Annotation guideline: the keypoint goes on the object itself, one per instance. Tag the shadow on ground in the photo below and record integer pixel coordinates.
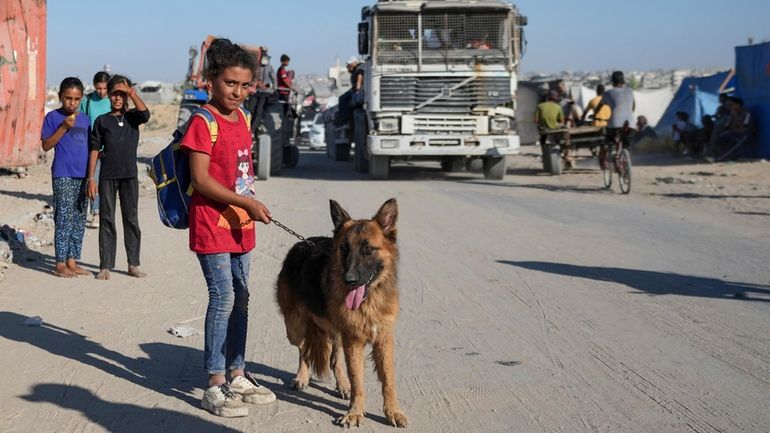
(121, 417)
(168, 369)
(655, 283)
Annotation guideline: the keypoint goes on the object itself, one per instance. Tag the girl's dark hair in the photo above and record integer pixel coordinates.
(115, 80)
(101, 77)
(223, 54)
(70, 83)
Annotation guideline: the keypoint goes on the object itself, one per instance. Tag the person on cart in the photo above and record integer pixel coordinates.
(551, 123)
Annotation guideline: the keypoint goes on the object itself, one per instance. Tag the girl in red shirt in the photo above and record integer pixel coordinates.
(223, 211)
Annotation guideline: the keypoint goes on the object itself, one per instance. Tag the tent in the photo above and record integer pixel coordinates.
(752, 69)
(697, 96)
(649, 103)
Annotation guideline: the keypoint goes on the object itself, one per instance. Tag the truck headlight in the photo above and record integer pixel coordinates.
(387, 125)
(499, 125)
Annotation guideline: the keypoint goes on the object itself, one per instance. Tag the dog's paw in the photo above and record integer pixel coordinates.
(299, 384)
(344, 392)
(397, 419)
(352, 419)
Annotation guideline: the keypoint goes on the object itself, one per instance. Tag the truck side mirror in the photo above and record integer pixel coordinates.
(363, 38)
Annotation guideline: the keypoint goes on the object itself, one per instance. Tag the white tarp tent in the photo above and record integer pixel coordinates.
(649, 103)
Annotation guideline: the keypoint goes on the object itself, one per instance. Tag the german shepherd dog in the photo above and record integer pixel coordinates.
(338, 294)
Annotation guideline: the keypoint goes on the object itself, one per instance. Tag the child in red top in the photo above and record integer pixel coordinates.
(223, 211)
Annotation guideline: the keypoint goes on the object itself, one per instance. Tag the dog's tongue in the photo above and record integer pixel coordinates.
(355, 297)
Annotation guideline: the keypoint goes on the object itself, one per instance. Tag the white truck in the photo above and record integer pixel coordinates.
(440, 83)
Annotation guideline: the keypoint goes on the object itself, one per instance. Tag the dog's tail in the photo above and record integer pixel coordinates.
(316, 350)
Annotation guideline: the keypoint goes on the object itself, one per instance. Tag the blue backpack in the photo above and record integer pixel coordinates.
(170, 170)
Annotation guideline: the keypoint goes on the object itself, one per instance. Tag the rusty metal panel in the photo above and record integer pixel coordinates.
(22, 80)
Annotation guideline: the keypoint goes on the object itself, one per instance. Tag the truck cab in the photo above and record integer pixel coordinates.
(440, 82)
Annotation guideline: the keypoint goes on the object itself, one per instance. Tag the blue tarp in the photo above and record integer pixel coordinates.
(697, 96)
(752, 70)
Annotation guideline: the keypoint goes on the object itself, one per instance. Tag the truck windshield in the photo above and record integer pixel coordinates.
(447, 37)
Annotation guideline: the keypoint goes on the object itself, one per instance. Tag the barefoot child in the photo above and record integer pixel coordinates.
(66, 130)
(114, 142)
(223, 211)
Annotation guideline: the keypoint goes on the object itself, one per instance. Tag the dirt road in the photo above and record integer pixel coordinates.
(535, 304)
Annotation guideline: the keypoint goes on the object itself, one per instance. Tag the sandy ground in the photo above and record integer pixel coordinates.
(535, 304)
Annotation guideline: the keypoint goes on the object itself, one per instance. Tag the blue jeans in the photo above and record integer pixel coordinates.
(228, 311)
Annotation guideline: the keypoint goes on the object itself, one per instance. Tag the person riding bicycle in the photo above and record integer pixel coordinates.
(620, 99)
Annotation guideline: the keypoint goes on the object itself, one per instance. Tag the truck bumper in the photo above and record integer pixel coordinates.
(443, 145)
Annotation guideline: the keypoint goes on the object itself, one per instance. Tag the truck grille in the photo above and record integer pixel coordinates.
(444, 125)
(406, 93)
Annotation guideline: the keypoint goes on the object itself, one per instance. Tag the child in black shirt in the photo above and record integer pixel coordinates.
(114, 141)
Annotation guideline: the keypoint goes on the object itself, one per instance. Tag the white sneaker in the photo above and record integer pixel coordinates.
(250, 391)
(222, 401)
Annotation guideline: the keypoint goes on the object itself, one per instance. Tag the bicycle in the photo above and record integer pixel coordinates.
(615, 157)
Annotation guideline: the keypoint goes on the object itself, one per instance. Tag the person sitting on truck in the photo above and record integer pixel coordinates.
(265, 89)
(549, 117)
(601, 112)
(356, 73)
(285, 84)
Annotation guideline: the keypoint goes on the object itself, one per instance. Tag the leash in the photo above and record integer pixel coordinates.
(286, 229)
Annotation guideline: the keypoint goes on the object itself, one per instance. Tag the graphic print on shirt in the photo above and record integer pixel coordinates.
(233, 217)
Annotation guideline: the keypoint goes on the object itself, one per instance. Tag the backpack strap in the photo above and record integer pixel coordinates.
(246, 116)
(206, 114)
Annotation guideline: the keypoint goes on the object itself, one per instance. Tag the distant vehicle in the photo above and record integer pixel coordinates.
(306, 122)
(440, 84)
(317, 133)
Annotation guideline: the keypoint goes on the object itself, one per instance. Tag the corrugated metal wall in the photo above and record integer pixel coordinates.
(22, 80)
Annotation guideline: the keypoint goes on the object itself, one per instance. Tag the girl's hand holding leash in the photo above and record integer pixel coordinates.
(258, 212)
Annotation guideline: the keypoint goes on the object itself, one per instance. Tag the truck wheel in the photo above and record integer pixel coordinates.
(340, 151)
(494, 168)
(475, 165)
(379, 168)
(186, 109)
(554, 161)
(262, 157)
(453, 164)
(360, 162)
(291, 156)
(359, 138)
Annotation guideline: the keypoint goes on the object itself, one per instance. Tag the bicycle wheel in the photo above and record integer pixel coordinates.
(606, 167)
(624, 171)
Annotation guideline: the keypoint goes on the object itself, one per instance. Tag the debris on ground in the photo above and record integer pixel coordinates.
(183, 331)
(34, 321)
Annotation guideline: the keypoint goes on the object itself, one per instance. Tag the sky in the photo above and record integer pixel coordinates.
(149, 39)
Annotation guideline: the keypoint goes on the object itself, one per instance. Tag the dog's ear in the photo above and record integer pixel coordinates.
(339, 215)
(386, 217)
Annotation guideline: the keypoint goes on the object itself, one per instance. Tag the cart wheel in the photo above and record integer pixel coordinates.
(494, 168)
(624, 174)
(554, 158)
(545, 150)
